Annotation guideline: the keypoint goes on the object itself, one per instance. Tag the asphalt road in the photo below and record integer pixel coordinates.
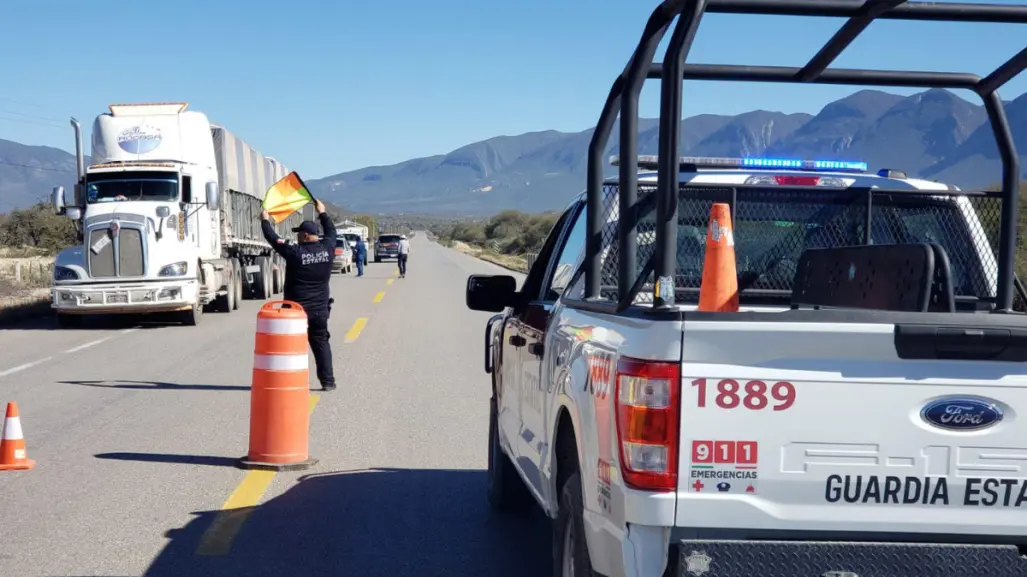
(135, 430)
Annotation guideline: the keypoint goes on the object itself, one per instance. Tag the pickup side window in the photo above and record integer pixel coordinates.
(568, 256)
(537, 276)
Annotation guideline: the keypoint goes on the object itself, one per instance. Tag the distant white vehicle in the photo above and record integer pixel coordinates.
(351, 231)
(344, 256)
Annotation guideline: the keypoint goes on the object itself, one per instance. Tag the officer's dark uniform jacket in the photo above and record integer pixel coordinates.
(308, 266)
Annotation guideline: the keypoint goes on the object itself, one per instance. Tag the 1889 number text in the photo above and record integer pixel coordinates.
(753, 395)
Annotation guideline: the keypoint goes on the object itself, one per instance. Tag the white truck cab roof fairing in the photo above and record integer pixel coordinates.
(152, 132)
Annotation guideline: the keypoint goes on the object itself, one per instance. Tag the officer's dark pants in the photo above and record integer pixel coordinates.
(318, 336)
(360, 265)
(401, 260)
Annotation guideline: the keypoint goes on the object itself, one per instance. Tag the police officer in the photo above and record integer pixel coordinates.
(308, 269)
(361, 255)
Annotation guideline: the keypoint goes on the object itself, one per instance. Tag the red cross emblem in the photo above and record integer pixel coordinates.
(697, 485)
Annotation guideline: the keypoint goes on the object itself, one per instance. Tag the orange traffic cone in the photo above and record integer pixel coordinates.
(719, 289)
(12, 446)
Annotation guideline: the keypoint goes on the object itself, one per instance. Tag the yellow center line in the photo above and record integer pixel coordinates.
(390, 281)
(217, 539)
(378, 297)
(354, 331)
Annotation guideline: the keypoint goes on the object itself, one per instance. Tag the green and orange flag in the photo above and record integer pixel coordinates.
(286, 197)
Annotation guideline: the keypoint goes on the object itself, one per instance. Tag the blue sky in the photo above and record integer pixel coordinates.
(333, 86)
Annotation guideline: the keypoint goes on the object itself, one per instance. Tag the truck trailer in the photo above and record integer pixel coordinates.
(168, 214)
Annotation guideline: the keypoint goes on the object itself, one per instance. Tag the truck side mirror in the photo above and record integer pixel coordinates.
(57, 200)
(491, 293)
(212, 196)
(73, 212)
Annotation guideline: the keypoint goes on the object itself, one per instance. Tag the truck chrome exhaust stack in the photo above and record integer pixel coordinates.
(80, 155)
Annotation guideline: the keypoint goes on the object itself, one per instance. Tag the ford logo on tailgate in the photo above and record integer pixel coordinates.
(961, 413)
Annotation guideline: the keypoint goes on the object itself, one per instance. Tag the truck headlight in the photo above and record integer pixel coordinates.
(176, 269)
(62, 273)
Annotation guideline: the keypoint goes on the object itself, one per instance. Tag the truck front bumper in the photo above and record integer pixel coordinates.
(731, 558)
(157, 296)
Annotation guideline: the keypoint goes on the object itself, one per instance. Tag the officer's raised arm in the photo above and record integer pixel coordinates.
(327, 226)
(277, 243)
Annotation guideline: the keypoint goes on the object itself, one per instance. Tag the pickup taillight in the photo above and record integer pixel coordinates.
(647, 403)
(338, 252)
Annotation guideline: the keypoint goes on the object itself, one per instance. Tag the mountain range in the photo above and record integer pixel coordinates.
(933, 134)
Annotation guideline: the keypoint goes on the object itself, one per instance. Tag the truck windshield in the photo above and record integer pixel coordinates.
(773, 227)
(351, 237)
(126, 186)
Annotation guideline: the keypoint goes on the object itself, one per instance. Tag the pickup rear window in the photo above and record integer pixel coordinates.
(774, 225)
(388, 238)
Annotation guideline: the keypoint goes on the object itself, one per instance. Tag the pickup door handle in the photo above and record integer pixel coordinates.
(536, 349)
(517, 340)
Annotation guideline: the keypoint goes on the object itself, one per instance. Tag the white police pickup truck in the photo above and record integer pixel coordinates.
(858, 416)
(770, 435)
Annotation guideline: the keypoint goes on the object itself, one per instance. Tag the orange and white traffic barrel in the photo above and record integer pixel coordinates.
(280, 393)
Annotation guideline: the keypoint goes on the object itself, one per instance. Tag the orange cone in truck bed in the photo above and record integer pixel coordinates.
(719, 289)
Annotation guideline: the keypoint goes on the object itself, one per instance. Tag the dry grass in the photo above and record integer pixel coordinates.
(25, 278)
(517, 263)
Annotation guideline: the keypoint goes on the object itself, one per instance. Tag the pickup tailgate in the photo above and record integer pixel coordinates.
(821, 427)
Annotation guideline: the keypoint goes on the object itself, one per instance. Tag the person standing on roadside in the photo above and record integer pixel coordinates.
(360, 253)
(401, 258)
(308, 270)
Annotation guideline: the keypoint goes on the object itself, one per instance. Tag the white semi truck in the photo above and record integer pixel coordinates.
(168, 218)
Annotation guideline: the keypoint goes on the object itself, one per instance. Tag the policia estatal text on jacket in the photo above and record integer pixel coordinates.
(308, 270)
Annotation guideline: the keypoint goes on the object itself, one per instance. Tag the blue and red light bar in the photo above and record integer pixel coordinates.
(651, 162)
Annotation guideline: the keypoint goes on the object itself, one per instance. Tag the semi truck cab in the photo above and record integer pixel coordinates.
(147, 214)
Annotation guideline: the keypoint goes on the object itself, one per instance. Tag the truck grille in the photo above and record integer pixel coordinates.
(123, 256)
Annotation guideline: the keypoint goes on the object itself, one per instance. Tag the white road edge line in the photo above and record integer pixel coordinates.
(20, 368)
(87, 345)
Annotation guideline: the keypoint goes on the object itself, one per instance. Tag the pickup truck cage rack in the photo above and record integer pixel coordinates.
(623, 99)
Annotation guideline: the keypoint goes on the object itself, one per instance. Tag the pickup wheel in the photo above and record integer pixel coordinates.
(570, 550)
(506, 490)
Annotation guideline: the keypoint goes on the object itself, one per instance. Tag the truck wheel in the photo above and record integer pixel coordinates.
(192, 318)
(226, 303)
(269, 283)
(276, 276)
(66, 321)
(570, 550)
(236, 282)
(262, 284)
(506, 490)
